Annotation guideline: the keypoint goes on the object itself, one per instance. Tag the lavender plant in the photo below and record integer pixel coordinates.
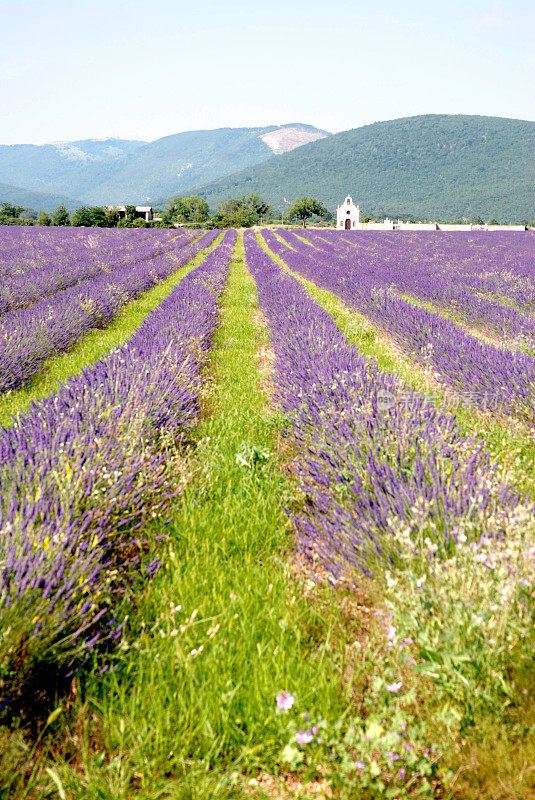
(369, 464)
(29, 336)
(491, 374)
(83, 468)
(36, 262)
(485, 282)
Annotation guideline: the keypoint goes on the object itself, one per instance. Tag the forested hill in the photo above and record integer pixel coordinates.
(435, 166)
(36, 200)
(100, 172)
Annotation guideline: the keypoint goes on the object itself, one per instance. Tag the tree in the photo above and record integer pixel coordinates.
(82, 217)
(90, 217)
(257, 205)
(44, 219)
(9, 212)
(240, 213)
(188, 209)
(234, 213)
(61, 216)
(112, 215)
(306, 207)
(477, 220)
(130, 213)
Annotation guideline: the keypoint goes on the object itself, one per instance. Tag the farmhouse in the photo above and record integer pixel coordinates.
(348, 215)
(142, 212)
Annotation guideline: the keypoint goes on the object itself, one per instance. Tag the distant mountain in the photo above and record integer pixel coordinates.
(123, 171)
(435, 166)
(68, 168)
(36, 200)
(174, 164)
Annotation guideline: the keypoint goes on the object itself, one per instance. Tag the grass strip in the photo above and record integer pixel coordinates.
(94, 345)
(509, 441)
(187, 708)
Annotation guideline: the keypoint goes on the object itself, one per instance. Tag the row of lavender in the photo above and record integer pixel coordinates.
(84, 467)
(372, 475)
(36, 262)
(29, 336)
(481, 278)
(493, 376)
(500, 265)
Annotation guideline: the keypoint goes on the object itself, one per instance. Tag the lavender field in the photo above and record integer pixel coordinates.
(279, 541)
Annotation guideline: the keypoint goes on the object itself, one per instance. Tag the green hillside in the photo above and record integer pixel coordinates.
(36, 200)
(181, 161)
(100, 172)
(436, 166)
(175, 164)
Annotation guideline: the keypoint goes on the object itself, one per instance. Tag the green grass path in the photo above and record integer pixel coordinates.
(190, 710)
(95, 344)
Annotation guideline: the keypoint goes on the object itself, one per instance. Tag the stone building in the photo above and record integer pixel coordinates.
(348, 215)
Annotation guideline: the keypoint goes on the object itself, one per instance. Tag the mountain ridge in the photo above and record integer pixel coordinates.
(433, 165)
(107, 171)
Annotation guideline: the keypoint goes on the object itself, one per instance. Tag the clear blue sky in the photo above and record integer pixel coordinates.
(132, 69)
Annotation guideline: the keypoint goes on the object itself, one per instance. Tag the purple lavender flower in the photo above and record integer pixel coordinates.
(33, 333)
(83, 468)
(361, 489)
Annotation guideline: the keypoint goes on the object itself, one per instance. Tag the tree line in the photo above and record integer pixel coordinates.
(86, 216)
(192, 211)
(240, 212)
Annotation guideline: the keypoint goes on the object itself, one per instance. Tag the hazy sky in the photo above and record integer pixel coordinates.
(140, 70)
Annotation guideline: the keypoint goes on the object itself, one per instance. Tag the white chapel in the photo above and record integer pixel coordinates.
(348, 214)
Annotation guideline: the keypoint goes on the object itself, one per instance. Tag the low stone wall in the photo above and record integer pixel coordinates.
(448, 227)
(388, 225)
(417, 226)
(374, 226)
(505, 227)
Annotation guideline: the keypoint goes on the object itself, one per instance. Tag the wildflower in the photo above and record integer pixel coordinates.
(304, 737)
(401, 773)
(394, 687)
(360, 765)
(285, 700)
